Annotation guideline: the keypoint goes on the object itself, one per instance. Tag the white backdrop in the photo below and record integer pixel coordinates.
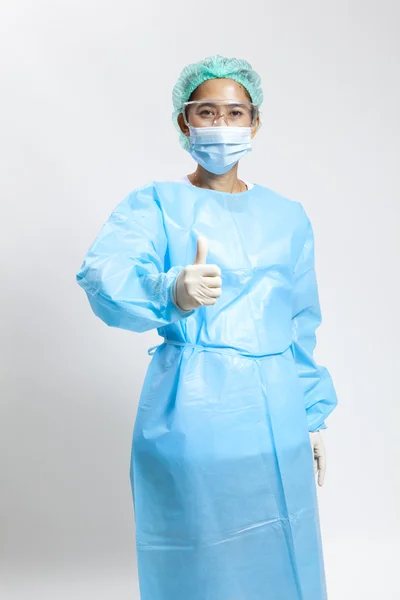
(85, 118)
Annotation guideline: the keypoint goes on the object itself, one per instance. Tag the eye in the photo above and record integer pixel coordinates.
(206, 112)
(236, 113)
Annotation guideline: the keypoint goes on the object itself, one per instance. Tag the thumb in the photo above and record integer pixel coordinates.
(202, 250)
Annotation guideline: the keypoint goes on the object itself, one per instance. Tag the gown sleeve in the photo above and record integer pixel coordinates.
(319, 392)
(125, 273)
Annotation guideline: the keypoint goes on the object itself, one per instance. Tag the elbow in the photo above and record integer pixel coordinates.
(117, 316)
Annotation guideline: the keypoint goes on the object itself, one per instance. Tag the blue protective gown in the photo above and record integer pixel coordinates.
(221, 467)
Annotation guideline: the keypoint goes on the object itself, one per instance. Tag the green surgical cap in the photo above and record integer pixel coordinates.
(213, 67)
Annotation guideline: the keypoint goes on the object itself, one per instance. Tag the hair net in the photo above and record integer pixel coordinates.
(213, 67)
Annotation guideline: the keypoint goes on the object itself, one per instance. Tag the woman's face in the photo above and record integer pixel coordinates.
(216, 89)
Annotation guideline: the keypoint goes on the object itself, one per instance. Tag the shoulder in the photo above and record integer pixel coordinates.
(280, 198)
(290, 207)
(142, 195)
(144, 189)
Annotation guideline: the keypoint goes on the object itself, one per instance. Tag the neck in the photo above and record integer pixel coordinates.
(227, 182)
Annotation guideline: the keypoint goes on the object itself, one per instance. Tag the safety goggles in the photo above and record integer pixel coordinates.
(206, 113)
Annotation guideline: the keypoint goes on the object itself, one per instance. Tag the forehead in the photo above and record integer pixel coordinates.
(223, 89)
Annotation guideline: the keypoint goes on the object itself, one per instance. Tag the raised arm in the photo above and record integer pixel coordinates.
(125, 272)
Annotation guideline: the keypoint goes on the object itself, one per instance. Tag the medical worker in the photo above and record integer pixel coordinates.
(222, 468)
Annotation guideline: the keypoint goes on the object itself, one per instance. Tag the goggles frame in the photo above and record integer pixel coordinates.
(213, 101)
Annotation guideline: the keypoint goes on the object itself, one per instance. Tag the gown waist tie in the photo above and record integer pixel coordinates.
(211, 348)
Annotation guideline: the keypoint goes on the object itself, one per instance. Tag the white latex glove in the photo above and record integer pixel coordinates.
(319, 454)
(198, 284)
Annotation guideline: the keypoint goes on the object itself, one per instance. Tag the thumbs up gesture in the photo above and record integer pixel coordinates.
(198, 284)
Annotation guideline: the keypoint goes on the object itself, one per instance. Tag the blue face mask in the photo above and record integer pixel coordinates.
(217, 149)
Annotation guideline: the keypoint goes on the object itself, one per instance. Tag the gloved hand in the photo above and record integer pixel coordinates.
(198, 284)
(319, 454)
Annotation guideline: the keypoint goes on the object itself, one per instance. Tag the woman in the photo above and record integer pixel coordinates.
(221, 466)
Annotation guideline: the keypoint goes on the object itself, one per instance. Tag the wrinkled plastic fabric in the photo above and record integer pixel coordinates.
(221, 467)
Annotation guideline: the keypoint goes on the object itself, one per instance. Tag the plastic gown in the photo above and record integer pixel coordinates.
(221, 467)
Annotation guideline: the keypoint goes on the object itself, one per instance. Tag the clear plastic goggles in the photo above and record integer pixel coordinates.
(207, 113)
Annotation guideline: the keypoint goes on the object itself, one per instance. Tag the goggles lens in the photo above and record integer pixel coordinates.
(206, 113)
